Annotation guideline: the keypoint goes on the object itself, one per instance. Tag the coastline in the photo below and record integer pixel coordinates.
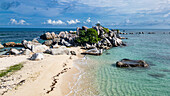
(44, 78)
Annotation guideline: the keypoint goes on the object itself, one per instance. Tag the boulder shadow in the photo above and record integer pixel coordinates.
(157, 75)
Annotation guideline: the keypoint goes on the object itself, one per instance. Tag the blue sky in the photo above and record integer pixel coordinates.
(73, 13)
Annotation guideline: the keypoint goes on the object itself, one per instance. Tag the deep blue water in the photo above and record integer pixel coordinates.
(19, 34)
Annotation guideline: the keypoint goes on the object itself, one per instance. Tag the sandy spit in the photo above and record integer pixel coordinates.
(39, 78)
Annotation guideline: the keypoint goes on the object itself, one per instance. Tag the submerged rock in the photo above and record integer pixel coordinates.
(131, 63)
(157, 75)
(37, 56)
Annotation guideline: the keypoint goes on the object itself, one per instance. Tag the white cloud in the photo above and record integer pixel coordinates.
(15, 22)
(53, 22)
(166, 15)
(98, 22)
(127, 21)
(73, 21)
(88, 20)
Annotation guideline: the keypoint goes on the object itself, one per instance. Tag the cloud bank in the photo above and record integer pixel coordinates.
(108, 12)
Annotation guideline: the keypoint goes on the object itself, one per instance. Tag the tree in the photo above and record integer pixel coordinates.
(89, 36)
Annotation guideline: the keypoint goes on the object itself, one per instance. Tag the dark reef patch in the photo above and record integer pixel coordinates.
(157, 75)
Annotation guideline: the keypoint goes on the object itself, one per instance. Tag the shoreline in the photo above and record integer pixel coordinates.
(42, 77)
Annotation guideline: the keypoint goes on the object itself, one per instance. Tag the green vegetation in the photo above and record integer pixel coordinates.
(106, 30)
(89, 36)
(11, 69)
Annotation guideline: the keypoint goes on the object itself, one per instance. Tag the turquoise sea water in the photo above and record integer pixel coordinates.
(102, 78)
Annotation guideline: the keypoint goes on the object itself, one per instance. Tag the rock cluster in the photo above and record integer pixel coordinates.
(131, 63)
(56, 44)
(108, 40)
(12, 44)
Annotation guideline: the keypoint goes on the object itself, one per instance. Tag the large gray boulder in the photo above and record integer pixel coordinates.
(117, 42)
(88, 46)
(1, 46)
(35, 41)
(47, 36)
(107, 42)
(84, 28)
(56, 46)
(62, 34)
(97, 29)
(65, 43)
(60, 51)
(26, 52)
(48, 42)
(28, 44)
(39, 48)
(56, 40)
(94, 51)
(34, 47)
(53, 35)
(131, 63)
(77, 30)
(37, 56)
(13, 51)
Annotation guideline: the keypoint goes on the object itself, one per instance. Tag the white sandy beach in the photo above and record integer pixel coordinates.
(39, 78)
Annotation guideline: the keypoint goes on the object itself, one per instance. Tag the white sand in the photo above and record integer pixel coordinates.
(40, 76)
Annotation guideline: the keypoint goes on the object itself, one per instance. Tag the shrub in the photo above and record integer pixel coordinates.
(91, 36)
(106, 30)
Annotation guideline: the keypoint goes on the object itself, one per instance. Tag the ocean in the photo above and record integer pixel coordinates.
(100, 77)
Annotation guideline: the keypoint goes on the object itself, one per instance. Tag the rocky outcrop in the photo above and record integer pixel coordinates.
(12, 44)
(34, 47)
(37, 56)
(1, 46)
(35, 40)
(131, 63)
(48, 36)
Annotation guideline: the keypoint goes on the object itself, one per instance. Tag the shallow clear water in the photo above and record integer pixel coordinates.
(109, 80)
